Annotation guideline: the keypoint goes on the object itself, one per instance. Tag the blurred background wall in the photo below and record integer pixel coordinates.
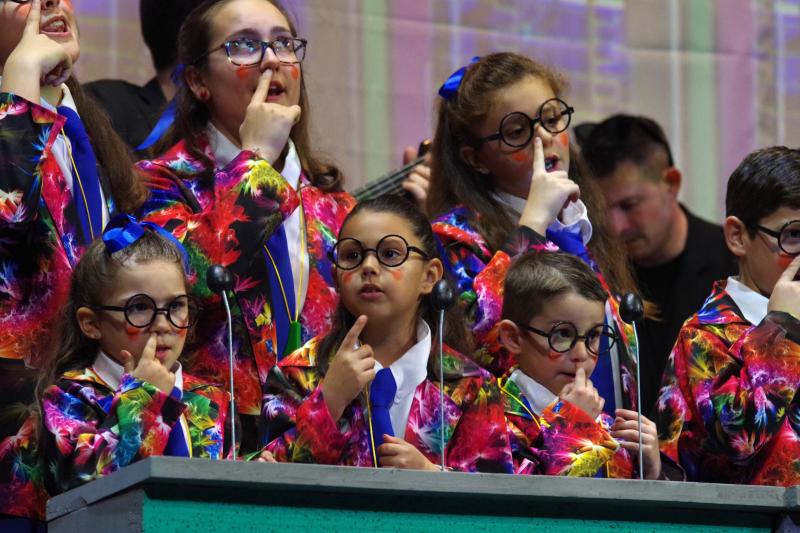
(721, 76)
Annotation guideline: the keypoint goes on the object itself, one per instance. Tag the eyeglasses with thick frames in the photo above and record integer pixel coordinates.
(246, 52)
(563, 337)
(788, 236)
(141, 311)
(391, 251)
(516, 128)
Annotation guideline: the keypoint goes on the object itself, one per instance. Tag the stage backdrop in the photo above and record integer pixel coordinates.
(721, 76)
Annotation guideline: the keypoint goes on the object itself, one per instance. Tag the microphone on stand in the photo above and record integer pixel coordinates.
(220, 280)
(631, 310)
(442, 297)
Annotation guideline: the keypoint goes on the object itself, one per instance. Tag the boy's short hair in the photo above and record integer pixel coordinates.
(764, 181)
(621, 138)
(536, 277)
(161, 20)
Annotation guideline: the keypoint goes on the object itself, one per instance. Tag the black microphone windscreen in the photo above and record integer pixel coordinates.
(631, 308)
(218, 279)
(443, 295)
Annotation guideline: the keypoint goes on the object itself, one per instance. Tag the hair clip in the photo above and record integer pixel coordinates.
(450, 87)
(124, 230)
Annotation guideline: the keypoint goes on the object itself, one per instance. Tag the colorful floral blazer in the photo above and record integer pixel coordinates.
(228, 222)
(562, 441)
(479, 275)
(299, 427)
(728, 409)
(40, 243)
(91, 431)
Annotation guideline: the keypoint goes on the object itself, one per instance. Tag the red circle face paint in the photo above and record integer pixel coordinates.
(397, 274)
(563, 139)
(294, 72)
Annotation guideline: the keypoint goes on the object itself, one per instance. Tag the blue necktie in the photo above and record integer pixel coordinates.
(279, 250)
(86, 183)
(381, 395)
(571, 243)
(176, 445)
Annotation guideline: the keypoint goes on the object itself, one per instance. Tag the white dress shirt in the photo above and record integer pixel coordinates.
(111, 371)
(752, 304)
(538, 396)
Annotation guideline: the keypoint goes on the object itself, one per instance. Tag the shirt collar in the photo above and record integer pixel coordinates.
(537, 394)
(412, 368)
(574, 217)
(752, 304)
(225, 152)
(111, 372)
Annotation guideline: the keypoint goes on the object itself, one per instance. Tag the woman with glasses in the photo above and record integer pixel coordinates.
(239, 186)
(114, 391)
(63, 172)
(554, 322)
(504, 180)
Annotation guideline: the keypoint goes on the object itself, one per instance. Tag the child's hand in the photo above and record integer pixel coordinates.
(36, 60)
(149, 368)
(549, 193)
(582, 393)
(625, 429)
(397, 453)
(266, 457)
(786, 293)
(266, 126)
(418, 181)
(350, 371)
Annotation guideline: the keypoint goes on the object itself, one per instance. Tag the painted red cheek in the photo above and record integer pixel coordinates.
(519, 157)
(397, 274)
(294, 72)
(784, 260)
(183, 332)
(563, 139)
(132, 331)
(242, 72)
(347, 277)
(553, 356)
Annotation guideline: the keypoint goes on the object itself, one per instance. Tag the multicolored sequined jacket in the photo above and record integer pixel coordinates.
(562, 441)
(480, 273)
(91, 430)
(40, 243)
(228, 222)
(300, 427)
(728, 410)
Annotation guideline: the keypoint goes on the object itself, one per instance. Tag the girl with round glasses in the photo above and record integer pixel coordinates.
(114, 390)
(239, 185)
(554, 322)
(505, 180)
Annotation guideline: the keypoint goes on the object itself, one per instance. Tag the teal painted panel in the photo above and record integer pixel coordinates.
(169, 516)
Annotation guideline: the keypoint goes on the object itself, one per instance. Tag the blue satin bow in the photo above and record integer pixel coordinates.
(124, 230)
(450, 87)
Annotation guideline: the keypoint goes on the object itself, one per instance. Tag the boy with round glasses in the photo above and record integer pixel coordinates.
(553, 321)
(727, 407)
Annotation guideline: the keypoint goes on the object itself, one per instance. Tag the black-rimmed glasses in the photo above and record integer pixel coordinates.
(391, 251)
(141, 310)
(563, 336)
(516, 129)
(245, 52)
(788, 236)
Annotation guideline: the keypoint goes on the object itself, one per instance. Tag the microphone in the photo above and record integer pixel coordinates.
(220, 280)
(631, 310)
(442, 298)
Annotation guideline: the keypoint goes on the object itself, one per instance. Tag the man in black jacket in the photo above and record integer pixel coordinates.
(677, 256)
(135, 110)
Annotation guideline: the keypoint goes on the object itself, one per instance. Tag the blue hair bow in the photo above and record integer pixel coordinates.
(124, 230)
(450, 87)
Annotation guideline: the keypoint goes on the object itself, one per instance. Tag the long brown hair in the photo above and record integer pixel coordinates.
(192, 115)
(454, 181)
(456, 333)
(93, 277)
(113, 155)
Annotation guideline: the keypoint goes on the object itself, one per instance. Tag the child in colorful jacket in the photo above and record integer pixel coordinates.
(238, 187)
(728, 407)
(114, 391)
(553, 312)
(368, 394)
(504, 181)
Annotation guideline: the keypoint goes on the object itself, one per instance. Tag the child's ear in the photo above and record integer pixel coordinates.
(87, 321)
(196, 83)
(736, 236)
(434, 271)
(672, 178)
(470, 156)
(509, 336)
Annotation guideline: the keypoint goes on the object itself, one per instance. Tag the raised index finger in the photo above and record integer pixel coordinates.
(791, 270)
(149, 351)
(538, 156)
(34, 18)
(580, 378)
(260, 96)
(351, 339)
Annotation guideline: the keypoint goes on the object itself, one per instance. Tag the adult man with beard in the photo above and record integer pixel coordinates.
(677, 256)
